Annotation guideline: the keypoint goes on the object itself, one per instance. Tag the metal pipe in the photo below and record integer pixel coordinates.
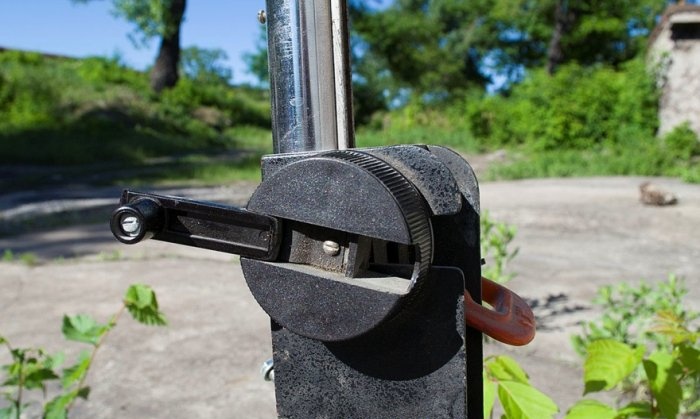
(309, 75)
(343, 74)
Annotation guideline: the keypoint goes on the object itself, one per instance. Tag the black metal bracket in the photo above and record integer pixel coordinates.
(199, 224)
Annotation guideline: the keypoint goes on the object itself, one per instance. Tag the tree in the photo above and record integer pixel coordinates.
(205, 65)
(445, 47)
(604, 31)
(155, 18)
(257, 60)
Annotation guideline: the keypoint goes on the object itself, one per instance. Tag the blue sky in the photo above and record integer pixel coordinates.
(61, 27)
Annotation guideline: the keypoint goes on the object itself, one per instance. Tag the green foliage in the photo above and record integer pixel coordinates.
(257, 61)
(577, 108)
(64, 111)
(663, 373)
(8, 256)
(424, 45)
(635, 318)
(495, 239)
(102, 73)
(682, 143)
(608, 31)
(34, 369)
(205, 65)
(112, 256)
(608, 363)
(519, 399)
(670, 374)
(83, 328)
(142, 304)
(667, 373)
(417, 123)
(27, 258)
(26, 98)
(629, 312)
(583, 121)
(589, 409)
(444, 47)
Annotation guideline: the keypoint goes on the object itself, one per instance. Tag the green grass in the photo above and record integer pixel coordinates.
(68, 112)
(28, 258)
(416, 124)
(652, 160)
(97, 117)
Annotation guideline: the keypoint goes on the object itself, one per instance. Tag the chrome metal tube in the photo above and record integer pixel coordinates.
(343, 74)
(309, 75)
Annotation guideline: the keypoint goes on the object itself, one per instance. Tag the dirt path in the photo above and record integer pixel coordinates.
(574, 235)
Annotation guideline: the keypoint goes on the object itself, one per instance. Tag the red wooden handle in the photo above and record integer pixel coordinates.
(512, 322)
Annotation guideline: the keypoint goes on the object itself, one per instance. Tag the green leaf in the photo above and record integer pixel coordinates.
(83, 328)
(689, 357)
(2, 340)
(661, 369)
(608, 362)
(588, 409)
(32, 367)
(142, 304)
(489, 395)
(76, 372)
(36, 376)
(636, 410)
(56, 360)
(84, 392)
(522, 401)
(8, 412)
(57, 408)
(504, 368)
(671, 324)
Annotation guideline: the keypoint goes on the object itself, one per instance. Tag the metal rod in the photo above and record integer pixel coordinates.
(309, 75)
(343, 75)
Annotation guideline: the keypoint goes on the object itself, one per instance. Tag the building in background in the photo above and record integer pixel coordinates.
(674, 47)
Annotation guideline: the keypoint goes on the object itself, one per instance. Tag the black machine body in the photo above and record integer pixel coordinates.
(361, 258)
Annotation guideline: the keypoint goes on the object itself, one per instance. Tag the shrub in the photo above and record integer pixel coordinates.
(682, 142)
(101, 72)
(577, 108)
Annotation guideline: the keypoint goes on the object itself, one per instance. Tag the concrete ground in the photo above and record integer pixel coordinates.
(574, 235)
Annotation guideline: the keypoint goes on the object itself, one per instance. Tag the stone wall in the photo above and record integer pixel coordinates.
(675, 50)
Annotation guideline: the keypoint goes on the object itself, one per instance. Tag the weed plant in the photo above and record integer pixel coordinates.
(27, 258)
(33, 369)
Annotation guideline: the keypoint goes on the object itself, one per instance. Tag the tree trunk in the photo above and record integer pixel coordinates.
(164, 74)
(555, 56)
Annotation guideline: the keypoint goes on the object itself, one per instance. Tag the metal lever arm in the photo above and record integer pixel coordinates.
(199, 224)
(512, 322)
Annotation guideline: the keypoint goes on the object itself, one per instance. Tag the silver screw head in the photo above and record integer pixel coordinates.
(130, 224)
(267, 370)
(262, 17)
(331, 248)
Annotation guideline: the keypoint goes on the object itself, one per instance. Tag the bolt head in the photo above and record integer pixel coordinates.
(267, 370)
(130, 224)
(331, 248)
